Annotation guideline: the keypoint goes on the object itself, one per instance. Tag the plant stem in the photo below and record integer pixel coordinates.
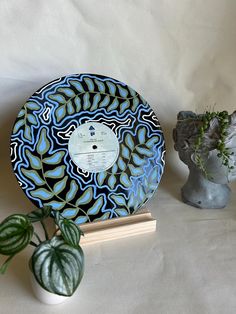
(4, 266)
(45, 230)
(38, 238)
(57, 229)
(33, 243)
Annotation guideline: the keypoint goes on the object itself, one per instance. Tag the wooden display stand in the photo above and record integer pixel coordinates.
(118, 228)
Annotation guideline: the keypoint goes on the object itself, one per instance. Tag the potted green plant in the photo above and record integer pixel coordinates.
(206, 143)
(57, 263)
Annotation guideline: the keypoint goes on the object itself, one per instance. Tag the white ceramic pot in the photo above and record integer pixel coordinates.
(45, 296)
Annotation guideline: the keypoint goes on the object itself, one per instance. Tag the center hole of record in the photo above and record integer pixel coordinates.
(94, 147)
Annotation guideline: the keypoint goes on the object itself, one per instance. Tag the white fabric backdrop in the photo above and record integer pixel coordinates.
(179, 55)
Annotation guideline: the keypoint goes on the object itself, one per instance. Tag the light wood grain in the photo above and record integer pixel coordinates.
(118, 228)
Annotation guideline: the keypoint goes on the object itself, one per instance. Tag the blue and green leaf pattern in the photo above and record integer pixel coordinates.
(42, 164)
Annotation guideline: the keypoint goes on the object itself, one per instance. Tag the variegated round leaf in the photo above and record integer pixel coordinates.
(16, 232)
(57, 266)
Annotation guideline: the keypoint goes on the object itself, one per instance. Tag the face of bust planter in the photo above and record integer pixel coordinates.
(218, 173)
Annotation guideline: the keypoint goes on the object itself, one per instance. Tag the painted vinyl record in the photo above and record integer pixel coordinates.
(89, 146)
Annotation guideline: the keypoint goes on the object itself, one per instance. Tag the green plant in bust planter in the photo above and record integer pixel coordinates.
(223, 121)
(206, 143)
(57, 263)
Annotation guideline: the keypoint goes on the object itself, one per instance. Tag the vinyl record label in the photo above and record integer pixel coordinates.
(93, 147)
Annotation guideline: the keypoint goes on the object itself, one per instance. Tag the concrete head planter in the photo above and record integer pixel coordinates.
(206, 143)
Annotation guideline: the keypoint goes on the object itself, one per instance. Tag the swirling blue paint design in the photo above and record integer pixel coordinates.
(42, 164)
